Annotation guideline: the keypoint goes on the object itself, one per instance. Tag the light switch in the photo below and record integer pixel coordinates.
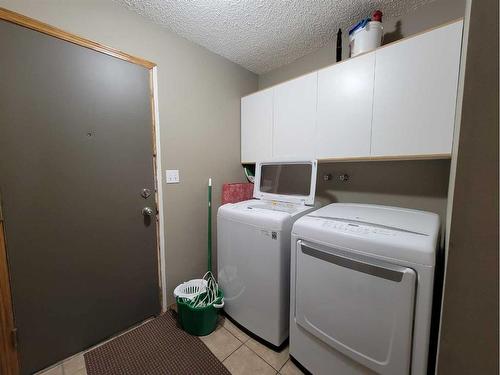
(172, 176)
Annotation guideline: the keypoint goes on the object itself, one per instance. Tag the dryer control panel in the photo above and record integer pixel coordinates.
(368, 238)
(345, 226)
(357, 228)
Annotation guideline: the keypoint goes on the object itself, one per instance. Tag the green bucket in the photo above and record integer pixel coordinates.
(199, 321)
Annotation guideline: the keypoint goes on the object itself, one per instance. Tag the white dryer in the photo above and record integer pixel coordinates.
(253, 247)
(361, 289)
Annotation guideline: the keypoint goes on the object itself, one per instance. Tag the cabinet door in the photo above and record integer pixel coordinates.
(295, 118)
(345, 98)
(257, 127)
(415, 93)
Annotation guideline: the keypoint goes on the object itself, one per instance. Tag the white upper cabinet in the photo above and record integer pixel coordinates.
(345, 97)
(257, 127)
(415, 93)
(295, 118)
(395, 102)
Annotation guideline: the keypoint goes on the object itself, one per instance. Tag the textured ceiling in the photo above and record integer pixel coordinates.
(263, 35)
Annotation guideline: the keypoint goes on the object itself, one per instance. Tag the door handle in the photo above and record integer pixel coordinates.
(147, 211)
(388, 272)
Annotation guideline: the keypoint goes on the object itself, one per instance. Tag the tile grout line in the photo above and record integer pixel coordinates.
(230, 354)
(253, 351)
(265, 359)
(281, 368)
(239, 346)
(244, 342)
(232, 334)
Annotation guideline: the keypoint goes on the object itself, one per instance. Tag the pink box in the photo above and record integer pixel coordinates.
(237, 192)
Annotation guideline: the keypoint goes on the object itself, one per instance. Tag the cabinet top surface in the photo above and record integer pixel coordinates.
(361, 54)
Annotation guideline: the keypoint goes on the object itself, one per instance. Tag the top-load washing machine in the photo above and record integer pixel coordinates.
(253, 247)
(361, 289)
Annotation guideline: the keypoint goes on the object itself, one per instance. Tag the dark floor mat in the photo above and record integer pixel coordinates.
(157, 347)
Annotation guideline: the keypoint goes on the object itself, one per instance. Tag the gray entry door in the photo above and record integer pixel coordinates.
(76, 150)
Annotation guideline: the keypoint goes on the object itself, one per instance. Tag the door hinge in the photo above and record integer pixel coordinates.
(14, 337)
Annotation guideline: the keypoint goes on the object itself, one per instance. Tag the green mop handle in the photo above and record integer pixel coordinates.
(210, 224)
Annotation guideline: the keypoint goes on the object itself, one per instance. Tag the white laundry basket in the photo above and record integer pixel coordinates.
(190, 289)
(366, 38)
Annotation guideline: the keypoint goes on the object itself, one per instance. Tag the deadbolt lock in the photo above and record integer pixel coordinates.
(145, 193)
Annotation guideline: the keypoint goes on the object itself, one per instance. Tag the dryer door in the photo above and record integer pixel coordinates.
(359, 306)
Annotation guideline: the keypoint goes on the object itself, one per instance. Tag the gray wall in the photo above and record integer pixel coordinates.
(199, 103)
(470, 320)
(425, 17)
(419, 184)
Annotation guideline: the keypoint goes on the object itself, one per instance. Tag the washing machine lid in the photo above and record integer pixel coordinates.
(404, 219)
(286, 181)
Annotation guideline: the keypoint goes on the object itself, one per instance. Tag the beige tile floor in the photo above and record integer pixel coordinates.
(240, 354)
(243, 355)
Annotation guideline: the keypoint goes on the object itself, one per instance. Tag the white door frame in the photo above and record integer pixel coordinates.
(159, 189)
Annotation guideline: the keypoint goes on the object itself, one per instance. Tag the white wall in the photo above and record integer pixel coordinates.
(199, 104)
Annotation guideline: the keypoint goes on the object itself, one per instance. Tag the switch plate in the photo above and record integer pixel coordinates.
(172, 176)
